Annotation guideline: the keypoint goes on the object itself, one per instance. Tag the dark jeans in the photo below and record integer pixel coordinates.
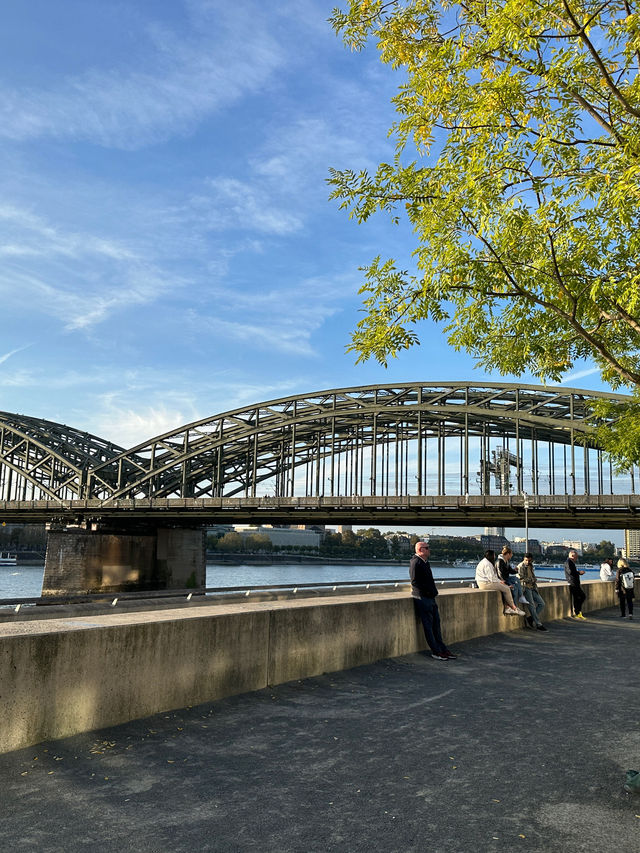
(577, 597)
(626, 597)
(430, 617)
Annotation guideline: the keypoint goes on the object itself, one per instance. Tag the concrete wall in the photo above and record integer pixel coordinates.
(59, 677)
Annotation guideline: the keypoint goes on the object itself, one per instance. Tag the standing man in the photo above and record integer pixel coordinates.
(572, 574)
(424, 592)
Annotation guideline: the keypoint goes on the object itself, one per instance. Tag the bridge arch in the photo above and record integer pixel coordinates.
(41, 459)
(399, 439)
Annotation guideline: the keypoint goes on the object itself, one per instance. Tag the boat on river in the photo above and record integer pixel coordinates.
(8, 559)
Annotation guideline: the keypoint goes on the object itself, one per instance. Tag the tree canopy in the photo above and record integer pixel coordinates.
(517, 167)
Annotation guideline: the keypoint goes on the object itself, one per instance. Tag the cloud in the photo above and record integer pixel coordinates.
(278, 319)
(78, 277)
(580, 374)
(242, 205)
(133, 415)
(8, 355)
(174, 81)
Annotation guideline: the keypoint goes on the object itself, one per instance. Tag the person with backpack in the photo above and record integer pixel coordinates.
(624, 587)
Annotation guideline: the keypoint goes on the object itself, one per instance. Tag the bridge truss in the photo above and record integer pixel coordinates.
(399, 440)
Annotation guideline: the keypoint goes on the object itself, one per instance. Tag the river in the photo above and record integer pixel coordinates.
(25, 581)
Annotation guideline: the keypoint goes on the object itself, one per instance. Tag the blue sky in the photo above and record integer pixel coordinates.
(167, 246)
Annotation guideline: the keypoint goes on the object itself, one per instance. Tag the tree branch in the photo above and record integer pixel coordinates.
(582, 35)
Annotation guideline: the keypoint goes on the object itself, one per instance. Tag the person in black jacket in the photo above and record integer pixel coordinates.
(510, 575)
(424, 592)
(625, 593)
(572, 574)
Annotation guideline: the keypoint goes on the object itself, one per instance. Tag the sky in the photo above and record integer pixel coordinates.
(167, 247)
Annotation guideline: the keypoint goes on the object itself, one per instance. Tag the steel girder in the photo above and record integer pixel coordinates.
(339, 441)
(234, 452)
(40, 459)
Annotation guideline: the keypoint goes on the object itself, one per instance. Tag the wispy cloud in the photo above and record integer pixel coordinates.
(78, 277)
(233, 203)
(281, 320)
(580, 374)
(132, 416)
(173, 82)
(8, 355)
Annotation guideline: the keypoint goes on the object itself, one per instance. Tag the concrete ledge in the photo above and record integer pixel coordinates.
(59, 677)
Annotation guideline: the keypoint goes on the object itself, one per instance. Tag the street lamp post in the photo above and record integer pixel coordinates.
(525, 503)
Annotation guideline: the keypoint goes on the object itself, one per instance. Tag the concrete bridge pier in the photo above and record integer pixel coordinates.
(81, 560)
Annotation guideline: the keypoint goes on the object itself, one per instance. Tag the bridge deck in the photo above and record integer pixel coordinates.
(517, 745)
(588, 511)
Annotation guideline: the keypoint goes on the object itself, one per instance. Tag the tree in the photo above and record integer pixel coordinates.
(231, 541)
(257, 542)
(523, 121)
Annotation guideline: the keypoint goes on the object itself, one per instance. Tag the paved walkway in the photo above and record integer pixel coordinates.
(520, 745)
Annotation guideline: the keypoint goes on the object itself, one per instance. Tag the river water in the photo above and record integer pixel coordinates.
(26, 581)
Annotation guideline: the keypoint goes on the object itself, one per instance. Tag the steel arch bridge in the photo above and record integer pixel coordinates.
(400, 440)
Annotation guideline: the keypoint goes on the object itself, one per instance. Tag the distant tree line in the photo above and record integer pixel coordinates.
(369, 543)
(23, 537)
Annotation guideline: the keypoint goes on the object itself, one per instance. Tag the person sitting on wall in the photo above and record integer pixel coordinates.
(534, 600)
(424, 592)
(572, 574)
(625, 581)
(607, 573)
(510, 575)
(487, 578)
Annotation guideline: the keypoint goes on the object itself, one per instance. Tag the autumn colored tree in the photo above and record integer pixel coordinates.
(517, 168)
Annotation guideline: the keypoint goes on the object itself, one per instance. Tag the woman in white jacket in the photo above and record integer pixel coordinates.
(487, 578)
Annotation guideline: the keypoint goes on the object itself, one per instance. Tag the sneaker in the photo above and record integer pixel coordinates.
(541, 628)
(630, 617)
(449, 655)
(438, 657)
(523, 600)
(519, 612)
(580, 616)
(510, 611)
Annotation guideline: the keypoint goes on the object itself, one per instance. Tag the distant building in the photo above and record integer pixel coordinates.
(284, 535)
(632, 544)
(519, 546)
(494, 531)
(573, 545)
(402, 538)
(556, 551)
(219, 529)
(493, 543)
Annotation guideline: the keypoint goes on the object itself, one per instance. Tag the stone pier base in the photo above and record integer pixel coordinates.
(84, 561)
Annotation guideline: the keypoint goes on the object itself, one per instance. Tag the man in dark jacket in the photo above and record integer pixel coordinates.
(424, 592)
(572, 574)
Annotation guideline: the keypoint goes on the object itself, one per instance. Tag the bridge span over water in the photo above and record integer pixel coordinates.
(445, 453)
(438, 455)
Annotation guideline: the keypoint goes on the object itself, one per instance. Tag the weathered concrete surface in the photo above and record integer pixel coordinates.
(519, 745)
(82, 561)
(63, 676)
